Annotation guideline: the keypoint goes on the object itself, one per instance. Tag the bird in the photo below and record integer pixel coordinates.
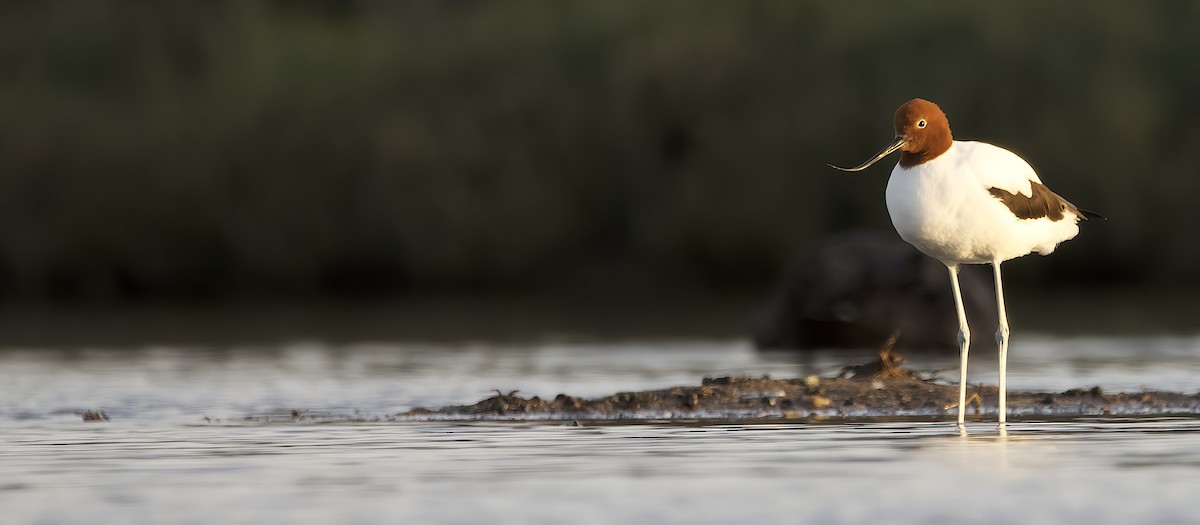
(969, 202)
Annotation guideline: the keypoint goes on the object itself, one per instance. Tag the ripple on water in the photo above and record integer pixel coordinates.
(158, 460)
(1103, 469)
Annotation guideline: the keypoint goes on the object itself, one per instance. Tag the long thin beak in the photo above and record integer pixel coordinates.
(897, 144)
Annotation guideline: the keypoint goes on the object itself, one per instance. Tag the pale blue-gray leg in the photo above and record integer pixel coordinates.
(1002, 342)
(964, 342)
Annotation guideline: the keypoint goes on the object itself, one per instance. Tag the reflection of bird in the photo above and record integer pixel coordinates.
(969, 203)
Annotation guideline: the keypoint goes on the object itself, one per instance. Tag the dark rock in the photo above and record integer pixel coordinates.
(855, 289)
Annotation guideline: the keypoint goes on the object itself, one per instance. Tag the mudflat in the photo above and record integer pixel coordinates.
(881, 388)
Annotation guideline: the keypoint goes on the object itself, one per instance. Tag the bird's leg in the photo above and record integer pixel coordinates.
(1001, 341)
(964, 342)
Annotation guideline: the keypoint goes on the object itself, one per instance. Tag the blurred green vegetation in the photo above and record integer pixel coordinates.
(211, 149)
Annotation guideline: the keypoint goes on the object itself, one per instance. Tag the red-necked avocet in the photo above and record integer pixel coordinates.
(964, 202)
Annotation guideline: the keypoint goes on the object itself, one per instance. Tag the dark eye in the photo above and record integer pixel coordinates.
(921, 123)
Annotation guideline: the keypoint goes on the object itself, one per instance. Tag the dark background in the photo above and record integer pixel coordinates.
(211, 150)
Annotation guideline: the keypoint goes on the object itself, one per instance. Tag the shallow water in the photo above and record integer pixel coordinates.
(160, 460)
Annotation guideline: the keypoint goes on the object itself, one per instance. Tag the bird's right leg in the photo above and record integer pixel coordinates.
(964, 342)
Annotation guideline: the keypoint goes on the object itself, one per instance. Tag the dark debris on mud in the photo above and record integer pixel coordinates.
(876, 389)
(93, 416)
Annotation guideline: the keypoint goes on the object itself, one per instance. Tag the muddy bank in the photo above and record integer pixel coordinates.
(878, 389)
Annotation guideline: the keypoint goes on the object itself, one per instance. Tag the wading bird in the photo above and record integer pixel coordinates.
(964, 202)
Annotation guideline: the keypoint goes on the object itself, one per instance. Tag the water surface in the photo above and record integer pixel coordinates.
(179, 447)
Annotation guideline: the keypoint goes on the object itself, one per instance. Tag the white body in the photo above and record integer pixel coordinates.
(943, 208)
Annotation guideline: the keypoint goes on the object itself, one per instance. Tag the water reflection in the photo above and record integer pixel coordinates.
(1098, 470)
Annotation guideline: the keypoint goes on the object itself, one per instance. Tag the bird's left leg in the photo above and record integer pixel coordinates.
(1001, 341)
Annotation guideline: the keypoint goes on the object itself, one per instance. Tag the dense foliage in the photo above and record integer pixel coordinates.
(191, 149)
